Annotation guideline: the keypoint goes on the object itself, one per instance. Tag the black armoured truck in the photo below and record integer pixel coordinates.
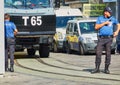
(35, 21)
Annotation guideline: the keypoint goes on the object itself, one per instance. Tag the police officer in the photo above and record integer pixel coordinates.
(10, 31)
(104, 25)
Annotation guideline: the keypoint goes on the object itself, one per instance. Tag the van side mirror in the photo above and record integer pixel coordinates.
(76, 33)
(67, 31)
(57, 3)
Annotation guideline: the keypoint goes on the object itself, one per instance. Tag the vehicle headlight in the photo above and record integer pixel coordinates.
(89, 40)
(60, 36)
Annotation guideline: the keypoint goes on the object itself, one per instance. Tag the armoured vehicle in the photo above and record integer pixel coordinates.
(35, 21)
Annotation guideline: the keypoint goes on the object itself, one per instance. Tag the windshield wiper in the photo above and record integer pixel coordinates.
(27, 6)
(35, 6)
(41, 5)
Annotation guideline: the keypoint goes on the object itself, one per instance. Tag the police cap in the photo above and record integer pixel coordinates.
(108, 9)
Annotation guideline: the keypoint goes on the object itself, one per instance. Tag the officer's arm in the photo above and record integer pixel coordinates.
(98, 26)
(15, 32)
(117, 30)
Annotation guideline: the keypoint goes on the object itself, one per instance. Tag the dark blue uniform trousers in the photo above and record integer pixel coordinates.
(104, 43)
(9, 51)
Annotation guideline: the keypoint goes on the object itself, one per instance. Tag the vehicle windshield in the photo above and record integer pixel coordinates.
(87, 27)
(61, 21)
(19, 4)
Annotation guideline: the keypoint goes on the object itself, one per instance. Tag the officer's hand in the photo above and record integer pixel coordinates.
(15, 32)
(107, 23)
(115, 34)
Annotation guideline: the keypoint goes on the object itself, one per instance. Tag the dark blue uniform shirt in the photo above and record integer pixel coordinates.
(107, 29)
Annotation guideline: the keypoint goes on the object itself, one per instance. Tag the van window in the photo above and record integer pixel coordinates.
(87, 27)
(71, 27)
(75, 28)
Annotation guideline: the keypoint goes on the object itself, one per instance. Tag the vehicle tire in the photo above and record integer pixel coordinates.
(31, 52)
(55, 49)
(81, 52)
(68, 48)
(44, 51)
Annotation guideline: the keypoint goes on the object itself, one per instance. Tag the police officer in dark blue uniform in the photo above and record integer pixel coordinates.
(10, 32)
(104, 25)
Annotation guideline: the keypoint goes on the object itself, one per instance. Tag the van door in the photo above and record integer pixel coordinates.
(70, 35)
(75, 38)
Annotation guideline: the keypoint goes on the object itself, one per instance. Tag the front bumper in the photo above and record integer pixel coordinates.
(60, 44)
(90, 47)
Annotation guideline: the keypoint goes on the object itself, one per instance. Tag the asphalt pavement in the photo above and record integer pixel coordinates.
(60, 69)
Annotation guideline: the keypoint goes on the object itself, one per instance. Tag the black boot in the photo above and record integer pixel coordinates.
(106, 69)
(6, 68)
(96, 70)
(11, 68)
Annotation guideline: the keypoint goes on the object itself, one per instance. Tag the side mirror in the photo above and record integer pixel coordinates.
(76, 33)
(57, 3)
(67, 31)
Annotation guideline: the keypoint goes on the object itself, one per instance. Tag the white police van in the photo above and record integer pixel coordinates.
(82, 37)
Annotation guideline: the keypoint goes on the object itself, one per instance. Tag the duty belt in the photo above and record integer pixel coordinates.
(105, 36)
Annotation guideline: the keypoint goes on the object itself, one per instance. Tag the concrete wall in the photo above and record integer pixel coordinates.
(2, 57)
(118, 8)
